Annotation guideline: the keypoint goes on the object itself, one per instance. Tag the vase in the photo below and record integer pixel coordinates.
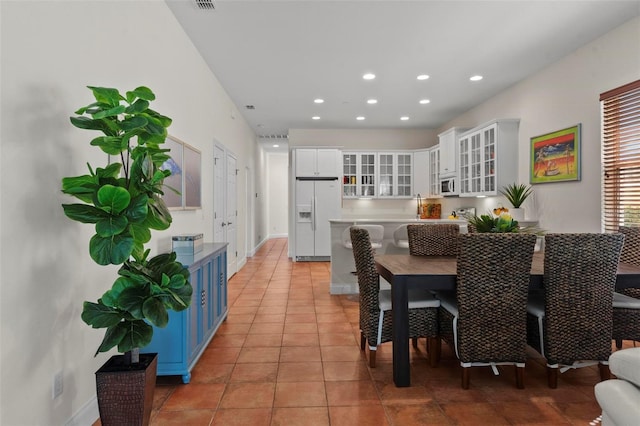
(125, 391)
(517, 214)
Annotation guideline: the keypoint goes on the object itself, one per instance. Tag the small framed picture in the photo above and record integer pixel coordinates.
(555, 156)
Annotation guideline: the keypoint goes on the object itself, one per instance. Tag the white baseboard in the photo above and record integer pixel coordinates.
(87, 415)
(278, 236)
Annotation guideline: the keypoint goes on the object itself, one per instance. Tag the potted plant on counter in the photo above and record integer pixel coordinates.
(123, 201)
(516, 195)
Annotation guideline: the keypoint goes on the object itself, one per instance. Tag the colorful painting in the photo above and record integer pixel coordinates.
(555, 156)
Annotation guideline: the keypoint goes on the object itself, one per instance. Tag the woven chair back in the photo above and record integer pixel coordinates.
(368, 278)
(579, 280)
(631, 247)
(433, 240)
(630, 254)
(493, 282)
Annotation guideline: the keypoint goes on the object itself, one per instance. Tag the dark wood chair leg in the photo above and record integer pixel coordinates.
(618, 343)
(363, 341)
(552, 377)
(605, 373)
(520, 377)
(372, 358)
(465, 377)
(414, 342)
(434, 355)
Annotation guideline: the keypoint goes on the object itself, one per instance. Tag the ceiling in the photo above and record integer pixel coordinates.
(278, 56)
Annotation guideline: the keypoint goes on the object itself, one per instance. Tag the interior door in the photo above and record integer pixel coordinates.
(218, 194)
(231, 206)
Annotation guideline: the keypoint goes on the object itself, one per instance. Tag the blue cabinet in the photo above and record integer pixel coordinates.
(188, 333)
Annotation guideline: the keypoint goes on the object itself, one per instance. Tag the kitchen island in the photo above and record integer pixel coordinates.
(343, 278)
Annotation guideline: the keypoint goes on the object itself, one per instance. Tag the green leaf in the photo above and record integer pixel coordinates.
(154, 310)
(135, 122)
(177, 281)
(138, 335)
(113, 336)
(137, 107)
(159, 217)
(180, 298)
(110, 297)
(106, 95)
(131, 300)
(111, 171)
(154, 126)
(111, 112)
(98, 315)
(111, 145)
(113, 250)
(140, 233)
(84, 213)
(90, 124)
(141, 92)
(113, 199)
(111, 225)
(138, 208)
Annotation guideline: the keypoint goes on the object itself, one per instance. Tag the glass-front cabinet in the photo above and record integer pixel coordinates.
(377, 174)
(359, 174)
(434, 172)
(488, 158)
(395, 170)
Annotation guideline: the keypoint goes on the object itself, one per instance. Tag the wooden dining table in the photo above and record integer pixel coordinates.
(404, 272)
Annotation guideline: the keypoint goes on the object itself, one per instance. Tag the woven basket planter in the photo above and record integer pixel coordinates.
(125, 392)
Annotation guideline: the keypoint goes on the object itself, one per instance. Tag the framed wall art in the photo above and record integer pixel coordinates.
(185, 166)
(555, 156)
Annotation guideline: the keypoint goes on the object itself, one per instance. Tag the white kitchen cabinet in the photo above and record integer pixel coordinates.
(317, 162)
(434, 172)
(488, 157)
(421, 173)
(395, 174)
(449, 155)
(359, 174)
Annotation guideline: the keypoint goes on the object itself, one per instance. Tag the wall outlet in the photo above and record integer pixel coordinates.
(58, 385)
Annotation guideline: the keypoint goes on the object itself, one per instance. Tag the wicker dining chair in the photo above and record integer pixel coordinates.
(571, 322)
(375, 305)
(626, 302)
(433, 240)
(485, 322)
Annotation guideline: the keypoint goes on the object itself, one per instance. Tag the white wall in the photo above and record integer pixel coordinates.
(560, 96)
(364, 139)
(50, 51)
(277, 194)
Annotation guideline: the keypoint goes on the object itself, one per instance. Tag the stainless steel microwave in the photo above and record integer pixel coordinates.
(449, 187)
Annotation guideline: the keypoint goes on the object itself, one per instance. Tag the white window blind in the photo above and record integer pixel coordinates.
(621, 156)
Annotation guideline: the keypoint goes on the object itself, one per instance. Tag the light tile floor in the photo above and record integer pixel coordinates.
(288, 354)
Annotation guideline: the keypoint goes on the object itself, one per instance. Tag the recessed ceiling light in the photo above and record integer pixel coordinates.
(369, 76)
(424, 101)
(423, 77)
(315, 117)
(318, 101)
(405, 118)
(372, 101)
(360, 118)
(476, 78)
(276, 146)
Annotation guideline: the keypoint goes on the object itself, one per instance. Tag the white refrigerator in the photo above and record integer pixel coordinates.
(317, 201)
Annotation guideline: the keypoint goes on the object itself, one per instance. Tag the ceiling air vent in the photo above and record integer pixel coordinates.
(205, 4)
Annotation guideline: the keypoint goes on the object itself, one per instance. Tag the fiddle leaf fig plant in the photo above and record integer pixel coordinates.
(124, 202)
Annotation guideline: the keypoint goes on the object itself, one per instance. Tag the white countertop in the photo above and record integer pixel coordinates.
(397, 220)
